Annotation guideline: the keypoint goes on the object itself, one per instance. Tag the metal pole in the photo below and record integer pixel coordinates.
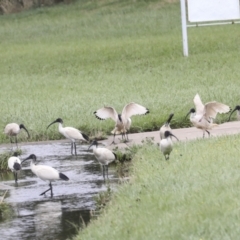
(184, 28)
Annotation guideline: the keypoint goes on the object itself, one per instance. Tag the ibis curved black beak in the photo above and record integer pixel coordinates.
(22, 126)
(90, 146)
(32, 156)
(187, 114)
(173, 136)
(25, 160)
(236, 108)
(52, 123)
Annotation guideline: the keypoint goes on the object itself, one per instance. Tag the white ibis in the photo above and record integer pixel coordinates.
(237, 108)
(46, 173)
(14, 164)
(70, 133)
(103, 155)
(123, 120)
(166, 144)
(166, 126)
(204, 115)
(13, 129)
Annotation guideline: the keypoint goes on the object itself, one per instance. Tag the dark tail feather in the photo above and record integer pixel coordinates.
(63, 177)
(115, 155)
(85, 137)
(16, 166)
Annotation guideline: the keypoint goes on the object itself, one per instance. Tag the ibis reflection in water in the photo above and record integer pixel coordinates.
(204, 115)
(46, 173)
(70, 133)
(122, 121)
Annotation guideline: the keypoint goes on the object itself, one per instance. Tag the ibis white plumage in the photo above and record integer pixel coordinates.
(166, 144)
(123, 120)
(204, 114)
(13, 129)
(70, 133)
(103, 155)
(14, 164)
(166, 126)
(237, 108)
(46, 173)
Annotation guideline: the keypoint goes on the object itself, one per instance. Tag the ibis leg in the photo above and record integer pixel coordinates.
(103, 167)
(16, 142)
(75, 147)
(166, 157)
(106, 167)
(113, 142)
(15, 176)
(72, 148)
(50, 189)
(208, 133)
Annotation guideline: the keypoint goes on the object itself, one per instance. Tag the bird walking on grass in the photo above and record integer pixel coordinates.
(166, 126)
(13, 129)
(70, 133)
(14, 164)
(204, 114)
(166, 144)
(237, 108)
(46, 173)
(103, 155)
(122, 121)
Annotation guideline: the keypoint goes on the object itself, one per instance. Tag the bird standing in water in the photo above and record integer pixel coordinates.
(103, 155)
(70, 133)
(14, 164)
(46, 173)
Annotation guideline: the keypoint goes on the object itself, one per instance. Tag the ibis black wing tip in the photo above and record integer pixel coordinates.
(85, 137)
(63, 177)
(115, 155)
(95, 113)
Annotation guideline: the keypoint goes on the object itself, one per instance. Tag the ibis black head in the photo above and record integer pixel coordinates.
(16, 154)
(94, 142)
(120, 117)
(168, 134)
(192, 110)
(22, 126)
(58, 120)
(31, 156)
(237, 108)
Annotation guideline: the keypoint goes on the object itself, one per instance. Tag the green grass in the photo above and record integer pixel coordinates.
(67, 61)
(194, 195)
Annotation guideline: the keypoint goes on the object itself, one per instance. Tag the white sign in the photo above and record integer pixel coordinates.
(213, 10)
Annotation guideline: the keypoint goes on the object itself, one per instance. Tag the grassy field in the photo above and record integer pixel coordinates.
(67, 61)
(194, 195)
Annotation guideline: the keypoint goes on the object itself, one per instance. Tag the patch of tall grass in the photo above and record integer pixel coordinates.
(68, 61)
(194, 195)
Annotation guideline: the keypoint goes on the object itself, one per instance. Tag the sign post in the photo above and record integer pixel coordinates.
(205, 13)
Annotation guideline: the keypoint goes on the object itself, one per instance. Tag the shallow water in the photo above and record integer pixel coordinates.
(57, 218)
